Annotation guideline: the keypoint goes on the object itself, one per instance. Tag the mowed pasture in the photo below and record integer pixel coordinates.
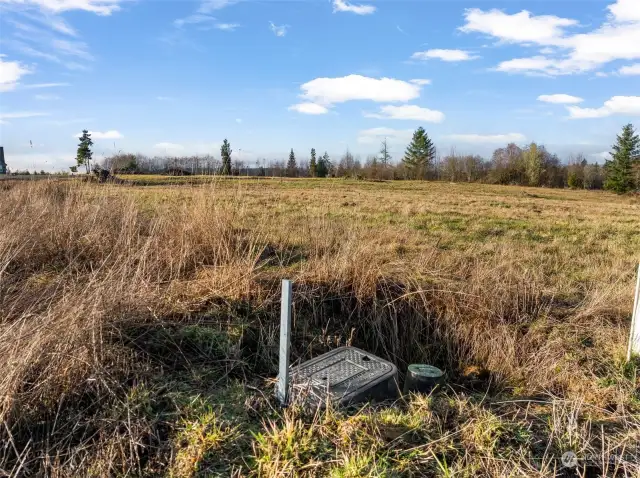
(139, 325)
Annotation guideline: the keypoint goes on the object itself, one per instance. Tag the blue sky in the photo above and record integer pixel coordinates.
(177, 77)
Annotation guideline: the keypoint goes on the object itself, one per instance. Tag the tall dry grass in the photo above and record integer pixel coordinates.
(82, 264)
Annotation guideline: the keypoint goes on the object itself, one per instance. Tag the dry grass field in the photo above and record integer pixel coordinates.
(139, 327)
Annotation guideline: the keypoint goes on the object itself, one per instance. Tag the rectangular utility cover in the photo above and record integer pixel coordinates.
(345, 375)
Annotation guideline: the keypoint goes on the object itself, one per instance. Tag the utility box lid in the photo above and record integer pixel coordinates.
(344, 375)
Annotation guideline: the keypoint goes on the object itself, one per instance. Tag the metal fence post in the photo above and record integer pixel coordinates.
(634, 337)
(282, 391)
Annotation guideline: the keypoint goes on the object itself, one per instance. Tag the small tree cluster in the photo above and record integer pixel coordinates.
(532, 165)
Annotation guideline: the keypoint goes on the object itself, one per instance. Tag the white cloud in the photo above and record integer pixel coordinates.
(278, 31)
(41, 44)
(165, 98)
(100, 7)
(30, 51)
(226, 27)
(11, 72)
(375, 135)
(630, 70)
(202, 16)
(444, 55)
(536, 64)
(48, 20)
(210, 5)
(420, 82)
(20, 115)
(616, 39)
(72, 48)
(625, 11)
(617, 105)
(168, 146)
(193, 20)
(112, 134)
(488, 138)
(211, 22)
(328, 91)
(344, 6)
(45, 85)
(309, 109)
(59, 25)
(408, 112)
(517, 28)
(47, 97)
(239, 120)
(560, 99)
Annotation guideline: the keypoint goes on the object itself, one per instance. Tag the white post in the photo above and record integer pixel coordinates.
(282, 391)
(634, 337)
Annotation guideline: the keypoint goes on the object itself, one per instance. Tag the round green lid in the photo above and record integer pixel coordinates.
(425, 370)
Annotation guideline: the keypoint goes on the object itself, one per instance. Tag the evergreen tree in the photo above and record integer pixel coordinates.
(292, 167)
(420, 154)
(84, 154)
(225, 153)
(313, 165)
(324, 165)
(620, 168)
(385, 157)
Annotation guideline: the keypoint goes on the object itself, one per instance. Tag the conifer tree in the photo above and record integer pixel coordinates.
(292, 167)
(84, 154)
(225, 154)
(324, 166)
(420, 154)
(620, 167)
(313, 165)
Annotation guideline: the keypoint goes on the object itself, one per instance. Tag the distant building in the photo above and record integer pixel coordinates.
(3, 165)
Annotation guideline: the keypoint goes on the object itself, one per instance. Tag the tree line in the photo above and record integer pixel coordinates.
(532, 165)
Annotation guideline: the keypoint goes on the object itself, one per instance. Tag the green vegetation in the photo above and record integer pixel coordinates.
(84, 154)
(313, 165)
(324, 165)
(420, 155)
(511, 165)
(292, 167)
(620, 174)
(225, 154)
